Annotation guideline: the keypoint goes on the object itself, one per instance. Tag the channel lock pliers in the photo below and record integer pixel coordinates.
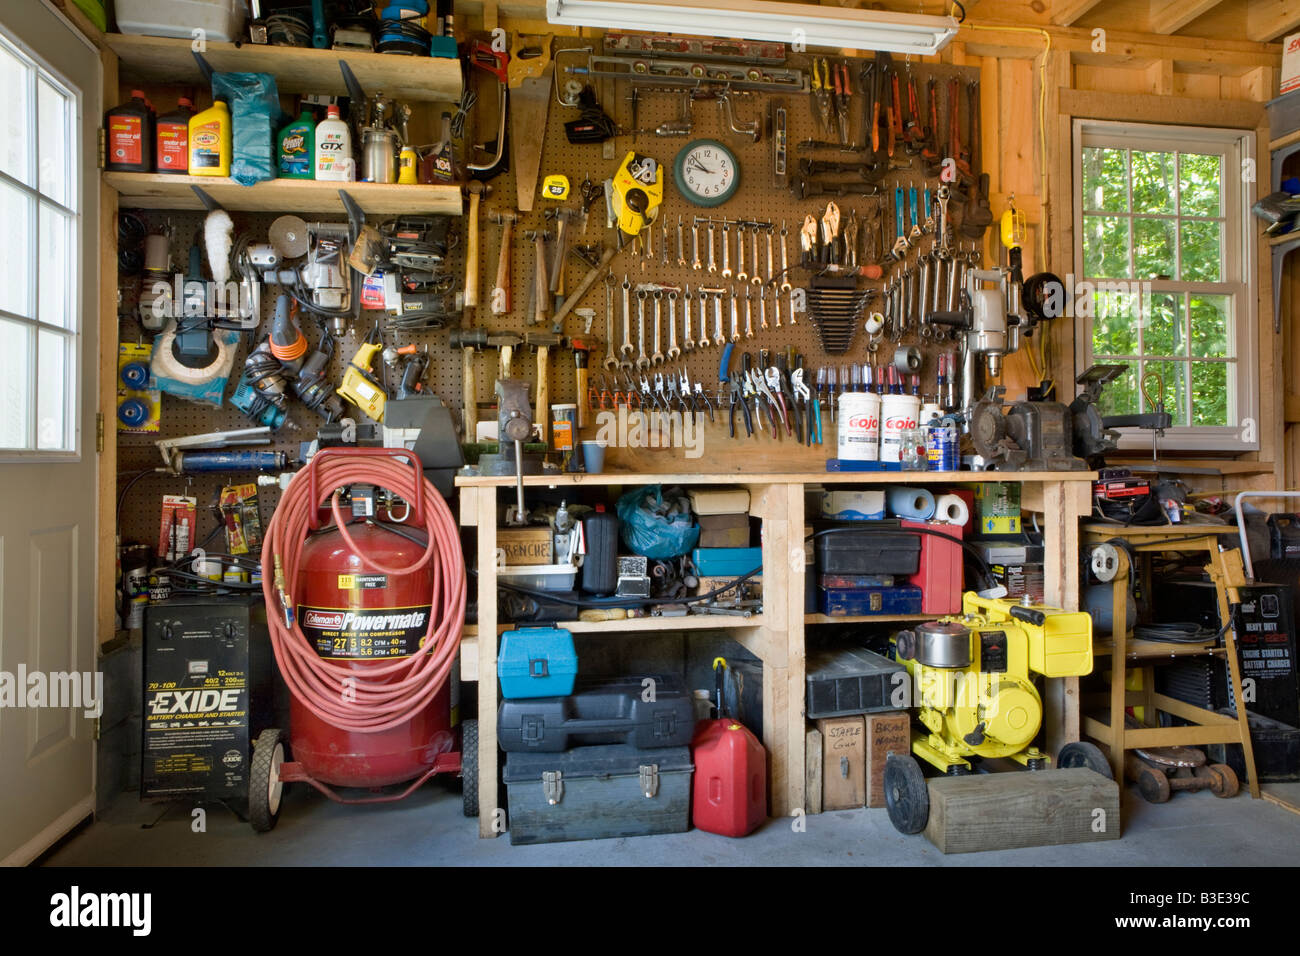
(803, 394)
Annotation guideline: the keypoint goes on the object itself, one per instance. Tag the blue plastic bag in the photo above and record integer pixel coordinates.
(647, 531)
(255, 115)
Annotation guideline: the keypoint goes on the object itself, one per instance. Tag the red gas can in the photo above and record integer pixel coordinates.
(730, 788)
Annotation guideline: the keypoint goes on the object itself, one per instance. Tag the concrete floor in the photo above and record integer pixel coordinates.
(428, 829)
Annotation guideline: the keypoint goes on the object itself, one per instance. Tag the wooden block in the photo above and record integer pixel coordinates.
(523, 546)
(844, 758)
(812, 772)
(1003, 811)
(884, 732)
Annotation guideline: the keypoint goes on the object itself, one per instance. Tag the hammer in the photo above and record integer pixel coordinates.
(581, 352)
(470, 340)
(507, 342)
(541, 285)
(476, 190)
(543, 342)
(501, 291)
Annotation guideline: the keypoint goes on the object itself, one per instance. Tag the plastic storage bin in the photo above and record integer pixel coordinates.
(540, 577)
(536, 662)
(221, 20)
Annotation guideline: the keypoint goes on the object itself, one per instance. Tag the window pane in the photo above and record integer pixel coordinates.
(55, 268)
(1153, 248)
(15, 116)
(1153, 182)
(1120, 396)
(1202, 251)
(53, 109)
(1163, 332)
(1199, 181)
(1105, 180)
(1114, 326)
(1105, 247)
(1211, 319)
(1170, 387)
(53, 360)
(1210, 394)
(15, 266)
(15, 383)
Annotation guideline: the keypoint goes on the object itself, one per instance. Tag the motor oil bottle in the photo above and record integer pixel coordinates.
(173, 138)
(210, 145)
(334, 149)
(297, 148)
(130, 136)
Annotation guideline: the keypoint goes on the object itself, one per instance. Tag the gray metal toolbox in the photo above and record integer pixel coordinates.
(644, 711)
(598, 793)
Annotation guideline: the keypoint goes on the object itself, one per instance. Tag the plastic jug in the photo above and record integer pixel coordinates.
(210, 144)
(297, 148)
(729, 792)
(130, 136)
(334, 149)
(173, 138)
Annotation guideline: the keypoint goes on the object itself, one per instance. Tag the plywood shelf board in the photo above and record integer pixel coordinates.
(806, 478)
(163, 191)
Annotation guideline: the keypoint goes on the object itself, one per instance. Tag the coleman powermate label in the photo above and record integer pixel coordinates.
(365, 633)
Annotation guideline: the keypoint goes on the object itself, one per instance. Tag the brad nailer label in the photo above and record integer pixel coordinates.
(365, 634)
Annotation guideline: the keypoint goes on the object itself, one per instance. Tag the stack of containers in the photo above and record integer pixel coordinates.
(724, 551)
(589, 758)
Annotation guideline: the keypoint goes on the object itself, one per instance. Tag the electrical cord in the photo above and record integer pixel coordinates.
(1179, 632)
(616, 602)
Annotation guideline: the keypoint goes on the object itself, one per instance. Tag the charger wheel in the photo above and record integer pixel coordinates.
(469, 766)
(907, 797)
(1080, 753)
(265, 788)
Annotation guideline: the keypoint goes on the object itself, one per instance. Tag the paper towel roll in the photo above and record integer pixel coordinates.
(952, 509)
(915, 504)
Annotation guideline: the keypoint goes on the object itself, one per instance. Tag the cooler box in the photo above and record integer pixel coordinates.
(600, 711)
(597, 793)
(536, 662)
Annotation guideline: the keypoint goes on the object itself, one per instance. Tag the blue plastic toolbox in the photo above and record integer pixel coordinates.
(854, 602)
(726, 562)
(536, 662)
(646, 712)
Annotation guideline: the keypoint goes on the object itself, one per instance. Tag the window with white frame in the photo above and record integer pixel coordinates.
(39, 269)
(1165, 271)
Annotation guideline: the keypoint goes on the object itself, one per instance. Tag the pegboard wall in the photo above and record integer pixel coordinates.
(755, 200)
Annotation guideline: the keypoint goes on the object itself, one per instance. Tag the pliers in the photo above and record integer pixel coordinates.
(777, 392)
(749, 386)
(733, 396)
(803, 394)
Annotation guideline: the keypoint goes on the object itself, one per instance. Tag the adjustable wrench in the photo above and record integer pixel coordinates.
(625, 350)
(658, 357)
(641, 361)
(673, 351)
(610, 361)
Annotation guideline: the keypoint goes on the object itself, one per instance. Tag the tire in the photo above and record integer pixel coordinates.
(469, 766)
(1222, 778)
(906, 795)
(1080, 753)
(265, 788)
(1153, 785)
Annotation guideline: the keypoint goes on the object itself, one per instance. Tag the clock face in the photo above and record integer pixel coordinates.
(707, 173)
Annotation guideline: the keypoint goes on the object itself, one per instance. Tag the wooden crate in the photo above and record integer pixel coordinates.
(844, 757)
(525, 546)
(1005, 811)
(884, 732)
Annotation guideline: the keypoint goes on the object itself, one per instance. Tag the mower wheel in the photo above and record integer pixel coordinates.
(265, 788)
(1221, 778)
(906, 795)
(1153, 785)
(1080, 753)
(469, 766)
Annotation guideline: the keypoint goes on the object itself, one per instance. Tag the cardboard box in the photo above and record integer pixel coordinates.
(884, 732)
(1290, 79)
(997, 507)
(524, 546)
(719, 501)
(844, 757)
(724, 531)
(750, 589)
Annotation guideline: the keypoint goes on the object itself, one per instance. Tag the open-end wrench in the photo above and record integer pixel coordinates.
(681, 243)
(688, 342)
(703, 340)
(610, 361)
(770, 229)
(726, 250)
(789, 298)
(642, 362)
(755, 278)
(749, 316)
(658, 357)
(695, 246)
(741, 274)
(713, 262)
(785, 260)
(625, 350)
(673, 351)
(762, 308)
(943, 194)
(735, 318)
(718, 338)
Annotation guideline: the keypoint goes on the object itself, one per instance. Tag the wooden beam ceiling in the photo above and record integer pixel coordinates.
(1269, 19)
(1066, 12)
(1170, 16)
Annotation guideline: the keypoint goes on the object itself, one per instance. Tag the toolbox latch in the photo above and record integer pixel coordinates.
(532, 728)
(650, 779)
(553, 786)
(537, 667)
(665, 724)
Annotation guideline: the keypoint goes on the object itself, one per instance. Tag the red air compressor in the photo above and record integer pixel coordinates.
(365, 616)
(729, 794)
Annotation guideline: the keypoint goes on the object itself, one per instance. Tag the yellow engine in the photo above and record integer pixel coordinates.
(972, 677)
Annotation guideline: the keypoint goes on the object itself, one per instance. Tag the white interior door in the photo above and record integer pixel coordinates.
(50, 109)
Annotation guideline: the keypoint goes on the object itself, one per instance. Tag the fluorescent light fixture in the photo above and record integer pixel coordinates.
(796, 23)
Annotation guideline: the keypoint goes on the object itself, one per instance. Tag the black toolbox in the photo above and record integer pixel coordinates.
(868, 547)
(597, 793)
(647, 712)
(852, 680)
(1276, 747)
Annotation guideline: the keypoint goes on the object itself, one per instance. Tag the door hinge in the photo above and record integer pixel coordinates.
(553, 786)
(102, 147)
(99, 431)
(650, 779)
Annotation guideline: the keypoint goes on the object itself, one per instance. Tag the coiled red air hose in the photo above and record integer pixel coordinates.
(379, 696)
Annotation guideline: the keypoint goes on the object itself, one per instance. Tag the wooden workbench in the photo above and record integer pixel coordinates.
(777, 635)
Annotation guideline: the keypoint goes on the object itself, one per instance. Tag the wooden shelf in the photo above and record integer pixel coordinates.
(1282, 142)
(1285, 238)
(302, 196)
(866, 618)
(1148, 650)
(164, 60)
(741, 478)
(692, 622)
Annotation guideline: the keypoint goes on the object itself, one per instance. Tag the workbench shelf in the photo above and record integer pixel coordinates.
(170, 61)
(776, 636)
(301, 196)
